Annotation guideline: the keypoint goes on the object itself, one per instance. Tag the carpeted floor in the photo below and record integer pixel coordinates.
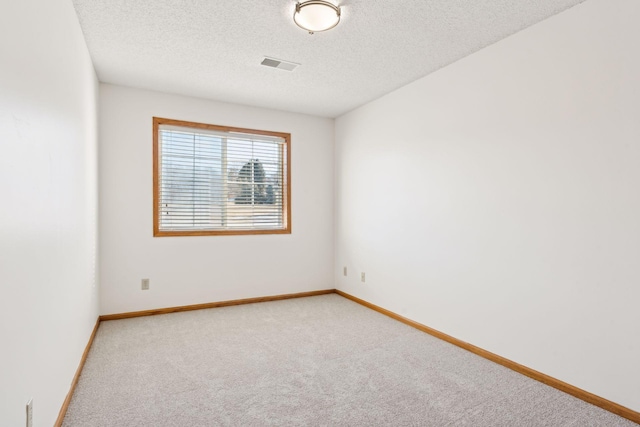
(320, 361)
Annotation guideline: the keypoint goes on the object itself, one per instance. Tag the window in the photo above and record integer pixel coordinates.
(216, 180)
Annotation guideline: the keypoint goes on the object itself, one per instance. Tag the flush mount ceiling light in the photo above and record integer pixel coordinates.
(316, 15)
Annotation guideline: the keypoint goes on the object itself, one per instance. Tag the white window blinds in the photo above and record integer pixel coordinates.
(212, 180)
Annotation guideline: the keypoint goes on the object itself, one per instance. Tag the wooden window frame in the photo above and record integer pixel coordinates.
(286, 202)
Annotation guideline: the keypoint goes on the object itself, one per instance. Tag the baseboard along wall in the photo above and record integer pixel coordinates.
(74, 382)
(76, 377)
(531, 373)
(214, 305)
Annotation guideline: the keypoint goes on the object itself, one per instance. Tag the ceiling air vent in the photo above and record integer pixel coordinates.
(279, 64)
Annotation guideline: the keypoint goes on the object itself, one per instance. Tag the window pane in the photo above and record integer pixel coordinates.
(220, 181)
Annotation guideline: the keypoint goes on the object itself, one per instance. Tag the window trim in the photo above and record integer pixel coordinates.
(286, 203)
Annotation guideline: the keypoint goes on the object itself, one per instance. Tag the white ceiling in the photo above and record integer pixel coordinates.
(213, 48)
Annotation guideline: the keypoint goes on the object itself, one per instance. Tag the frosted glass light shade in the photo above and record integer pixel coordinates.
(316, 15)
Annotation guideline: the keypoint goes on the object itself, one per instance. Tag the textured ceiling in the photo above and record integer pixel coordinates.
(213, 48)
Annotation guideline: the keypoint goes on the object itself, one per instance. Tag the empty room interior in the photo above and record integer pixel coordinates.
(343, 212)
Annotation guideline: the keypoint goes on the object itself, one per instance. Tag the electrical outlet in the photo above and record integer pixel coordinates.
(362, 277)
(145, 284)
(30, 413)
(344, 271)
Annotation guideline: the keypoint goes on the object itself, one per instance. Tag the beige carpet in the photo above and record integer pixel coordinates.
(320, 361)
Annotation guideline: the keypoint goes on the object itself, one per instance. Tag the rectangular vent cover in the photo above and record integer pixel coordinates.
(279, 64)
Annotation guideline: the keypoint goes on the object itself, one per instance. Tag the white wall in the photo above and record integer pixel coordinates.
(191, 270)
(497, 199)
(48, 189)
